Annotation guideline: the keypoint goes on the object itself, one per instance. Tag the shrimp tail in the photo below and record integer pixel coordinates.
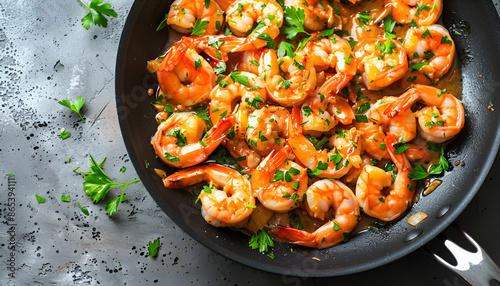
(335, 84)
(295, 236)
(191, 176)
(417, 152)
(218, 132)
(186, 177)
(275, 159)
(176, 53)
(234, 44)
(399, 159)
(402, 103)
(346, 115)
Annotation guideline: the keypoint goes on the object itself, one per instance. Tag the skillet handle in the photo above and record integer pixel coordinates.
(476, 268)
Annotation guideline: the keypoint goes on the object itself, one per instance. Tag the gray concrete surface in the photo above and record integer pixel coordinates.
(46, 56)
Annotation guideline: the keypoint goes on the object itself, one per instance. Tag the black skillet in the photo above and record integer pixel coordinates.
(478, 51)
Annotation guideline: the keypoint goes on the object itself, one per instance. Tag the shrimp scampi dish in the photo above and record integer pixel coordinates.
(307, 121)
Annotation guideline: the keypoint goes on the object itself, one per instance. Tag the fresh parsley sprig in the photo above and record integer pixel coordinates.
(261, 240)
(75, 106)
(294, 22)
(389, 24)
(97, 184)
(420, 172)
(97, 14)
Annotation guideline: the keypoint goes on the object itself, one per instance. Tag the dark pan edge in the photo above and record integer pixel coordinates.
(241, 259)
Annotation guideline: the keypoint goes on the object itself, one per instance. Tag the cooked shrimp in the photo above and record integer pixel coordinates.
(441, 119)
(321, 196)
(325, 163)
(250, 61)
(373, 138)
(288, 80)
(243, 86)
(372, 181)
(183, 15)
(278, 183)
(432, 48)
(266, 15)
(319, 14)
(316, 116)
(403, 126)
(230, 206)
(179, 141)
(422, 12)
(321, 113)
(248, 88)
(342, 110)
(332, 52)
(381, 61)
(268, 128)
(189, 82)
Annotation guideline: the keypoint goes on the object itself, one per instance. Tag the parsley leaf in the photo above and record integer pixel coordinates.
(65, 198)
(112, 205)
(270, 41)
(177, 133)
(75, 106)
(243, 79)
(389, 24)
(199, 28)
(153, 247)
(363, 107)
(261, 240)
(84, 211)
(364, 18)
(294, 22)
(64, 134)
(286, 49)
(39, 199)
(97, 184)
(400, 148)
(445, 40)
(99, 16)
(418, 173)
(419, 66)
(163, 24)
(387, 48)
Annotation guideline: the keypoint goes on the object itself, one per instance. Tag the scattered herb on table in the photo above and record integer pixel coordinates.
(84, 211)
(64, 134)
(39, 199)
(153, 247)
(75, 106)
(97, 184)
(97, 14)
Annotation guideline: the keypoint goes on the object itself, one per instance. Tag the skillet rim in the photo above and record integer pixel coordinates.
(278, 269)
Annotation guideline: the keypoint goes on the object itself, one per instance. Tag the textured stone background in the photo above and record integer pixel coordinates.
(46, 56)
